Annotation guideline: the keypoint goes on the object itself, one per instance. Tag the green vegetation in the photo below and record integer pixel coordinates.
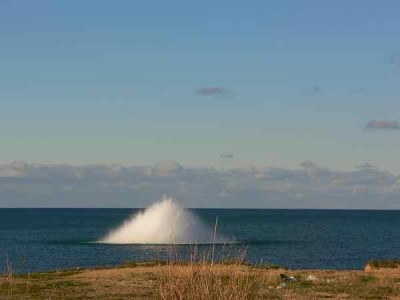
(384, 264)
(44, 285)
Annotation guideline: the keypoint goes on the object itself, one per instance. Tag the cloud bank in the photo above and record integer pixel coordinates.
(309, 186)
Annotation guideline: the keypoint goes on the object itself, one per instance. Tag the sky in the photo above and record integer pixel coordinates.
(226, 86)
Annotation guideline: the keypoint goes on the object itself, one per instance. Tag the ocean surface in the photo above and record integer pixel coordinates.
(52, 239)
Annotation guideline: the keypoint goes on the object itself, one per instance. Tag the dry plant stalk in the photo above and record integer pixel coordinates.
(207, 281)
(205, 278)
(10, 278)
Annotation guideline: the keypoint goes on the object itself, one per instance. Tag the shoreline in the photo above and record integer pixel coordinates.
(151, 263)
(376, 264)
(149, 280)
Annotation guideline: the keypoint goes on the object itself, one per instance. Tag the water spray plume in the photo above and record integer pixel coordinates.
(165, 222)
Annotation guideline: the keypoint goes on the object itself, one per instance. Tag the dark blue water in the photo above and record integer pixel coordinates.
(50, 239)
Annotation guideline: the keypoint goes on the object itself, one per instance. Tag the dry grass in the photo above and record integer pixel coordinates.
(207, 281)
(209, 277)
(202, 277)
(200, 280)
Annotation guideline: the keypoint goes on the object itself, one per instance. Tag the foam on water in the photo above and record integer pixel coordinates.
(164, 222)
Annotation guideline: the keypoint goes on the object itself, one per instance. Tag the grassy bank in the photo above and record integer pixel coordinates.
(202, 281)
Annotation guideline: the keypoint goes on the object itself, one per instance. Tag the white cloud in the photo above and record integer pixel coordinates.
(164, 168)
(14, 169)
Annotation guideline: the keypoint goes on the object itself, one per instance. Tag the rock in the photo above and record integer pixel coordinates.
(283, 276)
(282, 286)
(311, 278)
(324, 295)
(286, 278)
(263, 291)
(343, 296)
(368, 268)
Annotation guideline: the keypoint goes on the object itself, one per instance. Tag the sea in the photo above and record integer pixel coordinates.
(34, 240)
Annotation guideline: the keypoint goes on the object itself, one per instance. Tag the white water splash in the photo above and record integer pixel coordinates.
(164, 222)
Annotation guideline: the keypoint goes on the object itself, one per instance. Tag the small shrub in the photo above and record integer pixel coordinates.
(389, 263)
(208, 281)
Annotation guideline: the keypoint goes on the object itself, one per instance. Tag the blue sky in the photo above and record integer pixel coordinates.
(84, 82)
